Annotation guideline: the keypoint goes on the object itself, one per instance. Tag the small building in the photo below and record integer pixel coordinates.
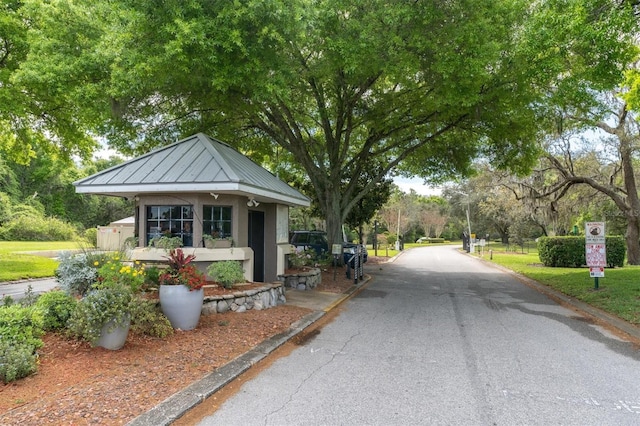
(113, 236)
(200, 186)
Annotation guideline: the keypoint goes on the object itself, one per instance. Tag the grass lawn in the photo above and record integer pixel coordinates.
(15, 265)
(618, 292)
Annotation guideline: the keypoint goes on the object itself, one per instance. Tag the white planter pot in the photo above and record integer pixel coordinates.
(114, 337)
(181, 306)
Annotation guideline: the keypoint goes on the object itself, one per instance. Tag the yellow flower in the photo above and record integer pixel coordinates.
(96, 263)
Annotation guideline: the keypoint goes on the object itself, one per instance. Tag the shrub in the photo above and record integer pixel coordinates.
(564, 252)
(302, 258)
(91, 235)
(569, 252)
(309, 257)
(76, 273)
(152, 276)
(37, 228)
(111, 271)
(147, 318)
(21, 325)
(56, 307)
(226, 272)
(17, 360)
(21, 329)
(616, 251)
(97, 308)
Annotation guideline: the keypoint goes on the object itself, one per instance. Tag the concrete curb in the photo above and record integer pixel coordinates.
(174, 407)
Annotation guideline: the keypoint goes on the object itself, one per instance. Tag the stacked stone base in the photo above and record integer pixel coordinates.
(265, 297)
(307, 280)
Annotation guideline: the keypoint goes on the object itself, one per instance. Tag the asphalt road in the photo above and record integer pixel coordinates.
(439, 338)
(18, 290)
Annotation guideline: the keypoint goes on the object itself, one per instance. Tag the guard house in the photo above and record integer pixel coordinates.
(200, 186)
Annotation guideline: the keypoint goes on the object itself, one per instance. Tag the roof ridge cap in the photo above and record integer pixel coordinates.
(208, 142)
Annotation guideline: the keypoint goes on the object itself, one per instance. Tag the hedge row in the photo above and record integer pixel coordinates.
(34, 228)
(569, 252)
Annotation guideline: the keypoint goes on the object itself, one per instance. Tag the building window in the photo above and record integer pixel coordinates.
(216, 221)
(170, 221)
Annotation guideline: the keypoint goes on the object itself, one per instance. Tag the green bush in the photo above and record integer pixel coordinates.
(91, 235)
(569, 252)
(152, 276)
(21, 329)
(56, 307)
(17, 360)
(97, 308)
(22, 325)
(147, 318)
(616, 251)
(226, 272)
(36, 228)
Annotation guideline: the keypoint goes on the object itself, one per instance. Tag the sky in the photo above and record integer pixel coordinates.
(417, 184)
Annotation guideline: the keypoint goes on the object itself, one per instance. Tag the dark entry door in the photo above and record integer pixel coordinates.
(256, 242)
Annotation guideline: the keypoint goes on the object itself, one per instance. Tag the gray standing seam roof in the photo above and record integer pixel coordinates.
(198, 163)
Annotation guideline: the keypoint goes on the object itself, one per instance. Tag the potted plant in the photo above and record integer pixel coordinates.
(166, 242)
(181, 291)
(216, 241)
(102, 317)
(226, 272)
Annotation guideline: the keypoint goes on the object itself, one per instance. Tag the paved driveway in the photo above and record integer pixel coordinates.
(439, 338)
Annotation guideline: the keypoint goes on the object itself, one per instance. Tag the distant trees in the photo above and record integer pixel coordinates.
(38, 200)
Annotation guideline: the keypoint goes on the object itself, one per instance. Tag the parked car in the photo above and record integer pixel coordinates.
(304, 240)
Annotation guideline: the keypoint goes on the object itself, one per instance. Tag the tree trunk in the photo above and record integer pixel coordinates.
(628, 173)
(632, 239)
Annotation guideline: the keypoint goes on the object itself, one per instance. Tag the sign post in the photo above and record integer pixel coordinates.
(336, 251)
(595, 250)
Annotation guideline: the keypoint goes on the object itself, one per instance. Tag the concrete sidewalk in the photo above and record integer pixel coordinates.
(178, 404)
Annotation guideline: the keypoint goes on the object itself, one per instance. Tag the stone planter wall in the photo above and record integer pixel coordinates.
(302, 280)
(264, 297)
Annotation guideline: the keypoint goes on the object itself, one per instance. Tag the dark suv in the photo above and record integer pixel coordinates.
(316, 240)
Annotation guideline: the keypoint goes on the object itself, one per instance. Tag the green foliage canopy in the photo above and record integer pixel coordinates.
(419, 87)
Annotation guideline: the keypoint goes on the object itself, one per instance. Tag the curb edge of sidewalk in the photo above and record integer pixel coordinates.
(178, 404)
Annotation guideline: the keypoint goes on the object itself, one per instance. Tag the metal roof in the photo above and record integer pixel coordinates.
(198, 163)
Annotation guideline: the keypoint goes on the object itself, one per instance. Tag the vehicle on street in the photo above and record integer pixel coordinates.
(304, 240)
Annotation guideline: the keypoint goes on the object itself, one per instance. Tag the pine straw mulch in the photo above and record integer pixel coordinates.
(80, 385)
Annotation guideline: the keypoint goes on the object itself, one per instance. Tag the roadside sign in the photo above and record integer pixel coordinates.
(594, 233)
(596, 255)
(336, 249)
(595, 250)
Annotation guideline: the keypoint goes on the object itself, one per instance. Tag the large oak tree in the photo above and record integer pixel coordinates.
(420, 87)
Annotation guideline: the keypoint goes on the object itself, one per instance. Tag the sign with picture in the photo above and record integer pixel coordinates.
(594, 233)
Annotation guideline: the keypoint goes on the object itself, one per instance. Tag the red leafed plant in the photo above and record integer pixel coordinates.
(177, 259)
(181, 272)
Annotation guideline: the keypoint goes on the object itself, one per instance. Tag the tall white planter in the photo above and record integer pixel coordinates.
(113, 337)
(181, 306)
